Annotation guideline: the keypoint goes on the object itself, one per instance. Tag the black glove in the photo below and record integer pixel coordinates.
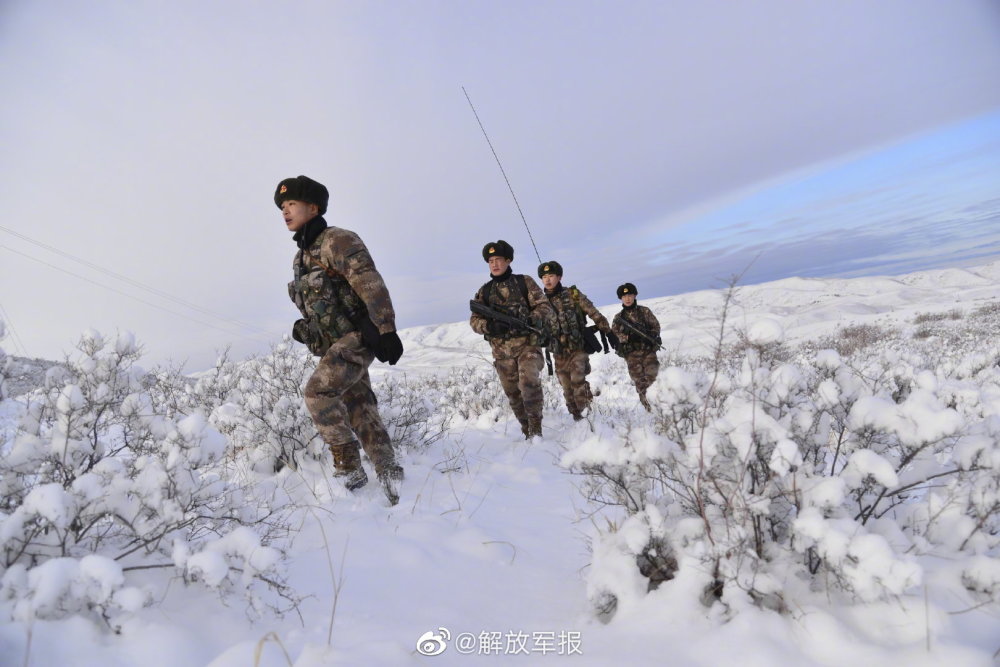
(389, 348)
(497, 328)
(613, 340)
(659, 341)
(300, 331)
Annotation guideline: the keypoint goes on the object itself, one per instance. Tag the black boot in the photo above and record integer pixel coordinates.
(389, 477)
(347, 466)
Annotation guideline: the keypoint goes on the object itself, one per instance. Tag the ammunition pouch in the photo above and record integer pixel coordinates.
(332, 310)
(309, 333)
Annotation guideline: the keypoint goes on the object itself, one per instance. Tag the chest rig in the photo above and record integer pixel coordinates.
(570, 319)
(331, 307)
(510, 297)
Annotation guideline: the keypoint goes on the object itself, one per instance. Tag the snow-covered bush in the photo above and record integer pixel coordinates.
(4, 364)
(765, 473)
(98, 487)
(409, 412)
(258, 405)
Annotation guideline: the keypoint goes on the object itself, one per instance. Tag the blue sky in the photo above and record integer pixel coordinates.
(666, 143)
(926, 202)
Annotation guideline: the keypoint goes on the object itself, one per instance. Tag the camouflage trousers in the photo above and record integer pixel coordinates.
(340, 399)
(519, 366)
(642, 368)
(572, 369)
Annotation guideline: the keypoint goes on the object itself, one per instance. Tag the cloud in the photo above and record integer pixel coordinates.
(148, 139)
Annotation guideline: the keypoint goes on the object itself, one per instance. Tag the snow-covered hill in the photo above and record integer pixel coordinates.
(807, 308)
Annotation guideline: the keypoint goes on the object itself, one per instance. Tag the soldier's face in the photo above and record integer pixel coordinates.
(498, 265)
(628, 299)
(297, 213)
(550, 280)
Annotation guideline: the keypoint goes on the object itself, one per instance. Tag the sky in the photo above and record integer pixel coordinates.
(669, 144)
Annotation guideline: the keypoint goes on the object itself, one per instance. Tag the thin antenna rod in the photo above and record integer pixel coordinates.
(504, 174)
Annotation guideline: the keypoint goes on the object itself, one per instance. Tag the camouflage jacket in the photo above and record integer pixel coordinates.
(572, 308)
(505, 295)
(335, 285)
(641, 318)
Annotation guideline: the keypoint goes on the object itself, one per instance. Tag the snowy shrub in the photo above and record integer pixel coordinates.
(923, 318)
(258, 404)
(856, 338)
(468, 393)
(776, 474)
(409, 412)
(98, 485)
(5, 364)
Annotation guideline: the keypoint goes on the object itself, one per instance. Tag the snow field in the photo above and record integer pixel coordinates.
(496, 535)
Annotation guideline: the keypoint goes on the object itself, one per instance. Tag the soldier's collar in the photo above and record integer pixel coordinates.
(503, 276)
(306, 236)
(635, 304)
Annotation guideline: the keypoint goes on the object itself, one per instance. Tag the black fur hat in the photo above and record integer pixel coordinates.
(498, 249)
(627, 288)
(550, 267)
(305, 189)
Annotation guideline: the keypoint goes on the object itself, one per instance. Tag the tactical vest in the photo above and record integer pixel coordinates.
(331, 307)
(570, 320)
(635, 342)
(515, 303)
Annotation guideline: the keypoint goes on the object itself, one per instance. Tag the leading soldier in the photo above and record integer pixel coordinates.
(639, 333)
(517, 350)
(571, 343)
(348, 321)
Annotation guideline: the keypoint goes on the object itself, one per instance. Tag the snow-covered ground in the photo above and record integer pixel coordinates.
(488, 549)
(806, 307)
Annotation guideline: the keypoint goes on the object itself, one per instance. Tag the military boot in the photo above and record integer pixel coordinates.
(347, 465)
(645, 402)
(389, 477)
(534, 428)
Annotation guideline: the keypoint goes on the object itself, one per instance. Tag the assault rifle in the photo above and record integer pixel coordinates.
(511, 321)
(639, 331)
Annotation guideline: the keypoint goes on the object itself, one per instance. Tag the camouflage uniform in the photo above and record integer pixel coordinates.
(639, 353)
(336, 288)
(517, 357)
(572, 361)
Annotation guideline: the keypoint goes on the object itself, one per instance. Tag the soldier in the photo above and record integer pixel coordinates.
(517, 351)
(571, 343)
(639, 333)
(348, 321)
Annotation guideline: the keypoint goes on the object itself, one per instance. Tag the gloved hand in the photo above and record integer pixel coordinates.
(496, 328)
(389, 348)
(659, 341)
(300, 331)
(613, 340)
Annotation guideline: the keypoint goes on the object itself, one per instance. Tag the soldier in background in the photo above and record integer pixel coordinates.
(571, 344)
(347, 321)
(517, 352)
(639, 333)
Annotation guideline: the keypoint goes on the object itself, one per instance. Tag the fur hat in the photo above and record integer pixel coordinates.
(627, 288)
(498, 249)
(550, 267)
(305, 189)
